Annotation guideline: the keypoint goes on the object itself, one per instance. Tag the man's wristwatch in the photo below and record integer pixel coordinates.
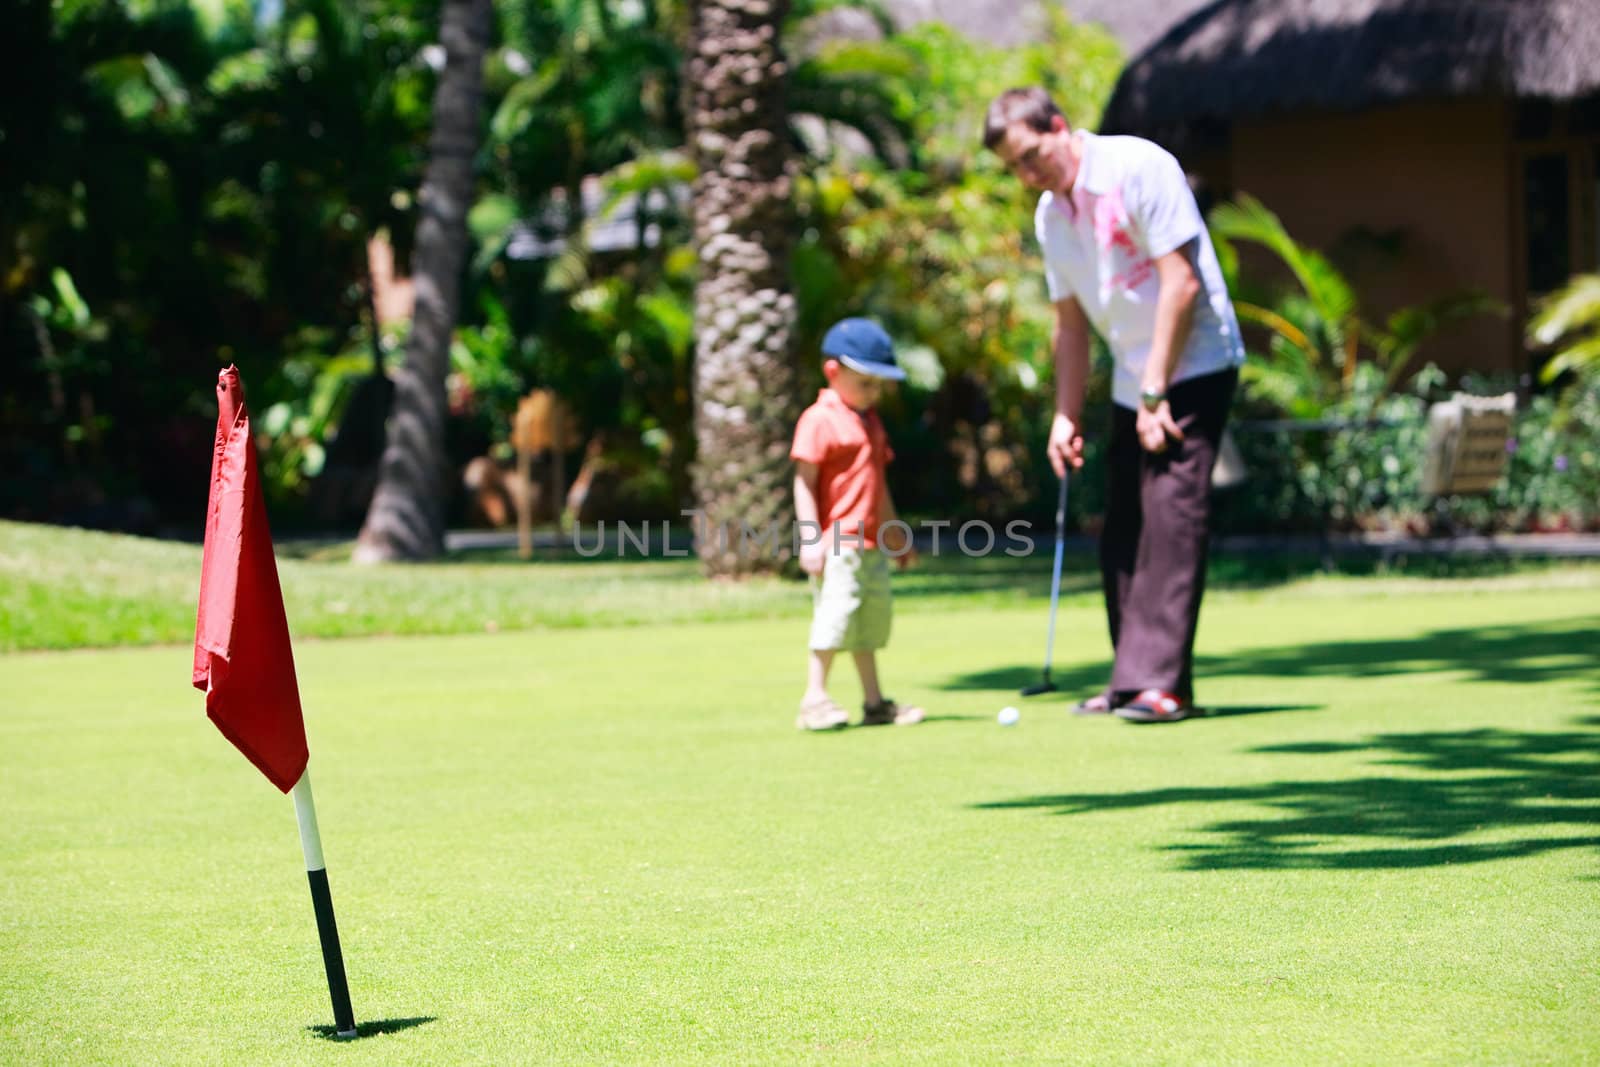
(1152, 398)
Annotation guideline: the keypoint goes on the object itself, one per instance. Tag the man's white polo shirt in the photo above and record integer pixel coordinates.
(1130, 205)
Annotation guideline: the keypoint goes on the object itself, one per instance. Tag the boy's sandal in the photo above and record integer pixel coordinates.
(1099, 704)
(821, 714)
(1157, 705)
(886, 712)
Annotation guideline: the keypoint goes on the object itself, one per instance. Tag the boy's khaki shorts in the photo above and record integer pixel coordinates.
(852, 609)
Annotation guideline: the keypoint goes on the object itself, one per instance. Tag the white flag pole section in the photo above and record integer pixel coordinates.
(305, 811)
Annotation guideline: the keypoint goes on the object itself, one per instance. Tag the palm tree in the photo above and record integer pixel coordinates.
(744, 375)
(406, 520)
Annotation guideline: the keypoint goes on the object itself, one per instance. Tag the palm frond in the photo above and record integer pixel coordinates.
(1273, 321)
(1572, 309)
(1251, 220)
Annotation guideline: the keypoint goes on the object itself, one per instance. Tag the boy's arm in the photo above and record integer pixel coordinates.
(807, 515)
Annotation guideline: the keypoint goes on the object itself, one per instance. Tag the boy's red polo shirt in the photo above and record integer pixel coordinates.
(851, 451)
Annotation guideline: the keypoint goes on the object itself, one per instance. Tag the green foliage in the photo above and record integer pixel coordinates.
(1368, 474)
(1570, 319)
(241, 163)
(206, 183)
(1553, 478)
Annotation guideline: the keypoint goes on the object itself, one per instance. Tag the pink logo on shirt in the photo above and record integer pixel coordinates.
(1111, 234)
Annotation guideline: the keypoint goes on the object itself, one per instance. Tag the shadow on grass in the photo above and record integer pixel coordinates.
(373, 1028)
(1524, 653)
(1256, 569)
(884, 727)
(1532, 792)
(1230, 711)
(1067, 682)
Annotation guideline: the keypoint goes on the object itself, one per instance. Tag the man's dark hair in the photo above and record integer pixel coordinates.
(1031, 105)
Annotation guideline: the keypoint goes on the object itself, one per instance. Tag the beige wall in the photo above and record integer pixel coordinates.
(1439, 171)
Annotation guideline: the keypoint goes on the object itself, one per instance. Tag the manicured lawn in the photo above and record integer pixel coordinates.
(66, 588)
(608, 844)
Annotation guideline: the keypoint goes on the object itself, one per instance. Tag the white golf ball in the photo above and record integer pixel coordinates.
(1008, 716)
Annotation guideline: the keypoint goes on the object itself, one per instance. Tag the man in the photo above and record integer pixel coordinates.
(1126, 252)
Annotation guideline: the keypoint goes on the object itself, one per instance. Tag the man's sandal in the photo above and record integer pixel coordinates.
(1157, 705)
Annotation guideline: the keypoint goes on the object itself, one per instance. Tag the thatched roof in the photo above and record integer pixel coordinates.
(1239, 58)
(1134, 23)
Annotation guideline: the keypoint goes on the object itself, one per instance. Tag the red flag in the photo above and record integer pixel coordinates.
(241, 636)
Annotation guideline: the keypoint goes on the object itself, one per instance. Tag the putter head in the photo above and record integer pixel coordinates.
(1046, 686)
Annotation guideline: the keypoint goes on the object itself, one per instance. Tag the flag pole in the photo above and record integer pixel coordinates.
(305, 811)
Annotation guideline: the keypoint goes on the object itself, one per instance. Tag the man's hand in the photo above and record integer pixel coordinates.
(812, 558)
(1066, 445)
(1154, 427)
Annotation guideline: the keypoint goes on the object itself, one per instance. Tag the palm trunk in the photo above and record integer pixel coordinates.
(744, 378)
(407, 517)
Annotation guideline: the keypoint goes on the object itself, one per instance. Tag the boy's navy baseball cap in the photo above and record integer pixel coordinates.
(861, 345)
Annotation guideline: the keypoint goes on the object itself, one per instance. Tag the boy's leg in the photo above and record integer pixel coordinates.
(829, 628)
(817, 665)
(873, 620)
(867, 668)
(817, 709)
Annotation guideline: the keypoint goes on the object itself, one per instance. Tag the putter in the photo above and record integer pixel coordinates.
(1048, 686)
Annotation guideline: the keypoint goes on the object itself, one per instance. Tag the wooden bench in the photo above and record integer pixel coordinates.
(1466, 450)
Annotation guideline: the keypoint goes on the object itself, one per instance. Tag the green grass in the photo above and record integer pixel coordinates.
(608, 844)
(67, 588)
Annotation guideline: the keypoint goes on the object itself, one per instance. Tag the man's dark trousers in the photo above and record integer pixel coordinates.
(1157, 532)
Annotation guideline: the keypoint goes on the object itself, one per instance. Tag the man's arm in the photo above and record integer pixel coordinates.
(805, 512)
(1174, 320)
(1071, 350)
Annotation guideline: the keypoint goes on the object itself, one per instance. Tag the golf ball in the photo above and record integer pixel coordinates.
(1008, 716)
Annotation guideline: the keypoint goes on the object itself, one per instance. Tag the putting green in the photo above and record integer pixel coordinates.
(610, 845)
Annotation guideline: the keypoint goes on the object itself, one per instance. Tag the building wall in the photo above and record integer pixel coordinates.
(1438, 174)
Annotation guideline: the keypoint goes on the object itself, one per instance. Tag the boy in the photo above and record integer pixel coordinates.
(841, 489)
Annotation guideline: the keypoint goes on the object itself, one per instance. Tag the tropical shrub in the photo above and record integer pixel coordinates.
(1361, 468)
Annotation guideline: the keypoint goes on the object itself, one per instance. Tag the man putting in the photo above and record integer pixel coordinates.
(1126, 252)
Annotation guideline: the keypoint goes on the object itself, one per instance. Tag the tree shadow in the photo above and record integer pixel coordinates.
(1530, 793)
(1073, 683)
(1229, 711)
(373, 1028)
(1520, 653)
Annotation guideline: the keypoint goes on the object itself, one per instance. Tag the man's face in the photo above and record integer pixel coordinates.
(1042, 160)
